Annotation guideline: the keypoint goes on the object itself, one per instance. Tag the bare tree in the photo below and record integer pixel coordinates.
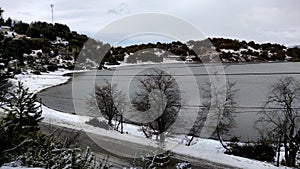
(159, 95)
(281, 113)
(225, 118)
(108, 100)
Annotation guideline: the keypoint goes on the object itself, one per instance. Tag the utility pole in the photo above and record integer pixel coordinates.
(51, 5)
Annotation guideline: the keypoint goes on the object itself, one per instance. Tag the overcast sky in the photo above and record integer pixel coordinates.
(259, 20)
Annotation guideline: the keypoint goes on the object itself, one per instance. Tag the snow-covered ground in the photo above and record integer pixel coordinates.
(165, 60)
(210, 150)
(36, 83)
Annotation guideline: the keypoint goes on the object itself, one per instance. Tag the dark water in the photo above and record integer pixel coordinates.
(252, 81)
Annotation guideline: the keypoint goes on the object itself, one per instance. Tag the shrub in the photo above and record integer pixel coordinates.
(52, 67)
(184, 165)
(257, 151)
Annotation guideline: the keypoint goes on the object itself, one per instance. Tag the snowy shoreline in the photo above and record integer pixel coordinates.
(211, 150)
(38, 83)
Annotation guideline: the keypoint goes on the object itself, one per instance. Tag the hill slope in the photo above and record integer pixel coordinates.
(41, 47)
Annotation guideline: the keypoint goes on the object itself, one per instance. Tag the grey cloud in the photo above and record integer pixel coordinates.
(25, 13)
(113, 11)
(120, 10)
(270, 20)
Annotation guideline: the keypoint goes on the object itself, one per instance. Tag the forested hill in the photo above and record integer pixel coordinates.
(229, 50)
(40, 47)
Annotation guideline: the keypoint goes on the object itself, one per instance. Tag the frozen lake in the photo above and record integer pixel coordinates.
(252, 82)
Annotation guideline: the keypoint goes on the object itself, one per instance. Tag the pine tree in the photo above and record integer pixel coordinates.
(1, 18)
(8, 22)
(23, 115)
(20, 124)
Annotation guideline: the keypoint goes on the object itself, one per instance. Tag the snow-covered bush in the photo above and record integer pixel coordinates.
(183, 165)
(156, 160)
(257, 151)
(45, 152)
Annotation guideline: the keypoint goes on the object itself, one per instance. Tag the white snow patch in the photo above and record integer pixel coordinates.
(35, 52)
(60, 41)
(254, 50)
(10, 34)
(165, 60)
(36, 83)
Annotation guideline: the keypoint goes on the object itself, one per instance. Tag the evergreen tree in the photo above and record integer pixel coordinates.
(21, 27)
(23, 114)
(33, 32)
(16, 50)
(8, 22)
(20, 124)
(45, 151)
(1, 19)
